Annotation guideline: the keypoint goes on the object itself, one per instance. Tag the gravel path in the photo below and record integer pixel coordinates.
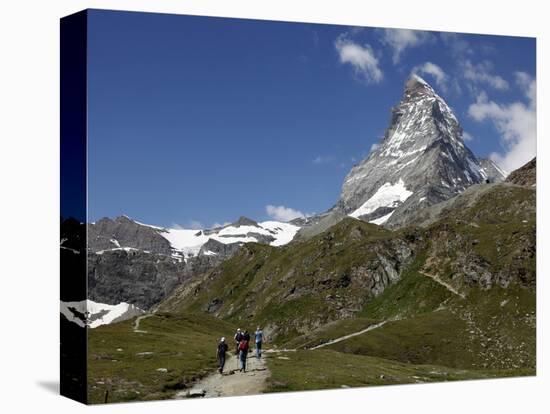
(231, 382)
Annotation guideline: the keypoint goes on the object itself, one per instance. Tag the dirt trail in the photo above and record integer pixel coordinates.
(138, 320)
(343, 338)
(232, 382)
(446, 285)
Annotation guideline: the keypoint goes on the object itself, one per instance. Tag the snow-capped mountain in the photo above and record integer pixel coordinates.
(93, 314)
(126, 234)
(141, 264)
(421, 160)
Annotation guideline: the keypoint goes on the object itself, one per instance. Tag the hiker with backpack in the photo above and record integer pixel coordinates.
(222, 349)
(237, 337)
(243, 352)
(259, 337)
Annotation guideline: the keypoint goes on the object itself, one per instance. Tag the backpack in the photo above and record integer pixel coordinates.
(243, 346)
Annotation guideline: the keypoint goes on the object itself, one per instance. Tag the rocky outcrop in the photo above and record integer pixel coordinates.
(217, 248)
(123, 232)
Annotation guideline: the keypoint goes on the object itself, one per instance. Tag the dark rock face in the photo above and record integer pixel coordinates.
(526, 175)
(109, 234)
(142, 279)
(135, 277)
(422, 149)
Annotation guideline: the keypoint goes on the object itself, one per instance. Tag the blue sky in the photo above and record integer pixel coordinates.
(196, 120)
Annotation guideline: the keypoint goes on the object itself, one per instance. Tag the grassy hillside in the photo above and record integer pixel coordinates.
(131, 366)
(292, 289)
(326, 369)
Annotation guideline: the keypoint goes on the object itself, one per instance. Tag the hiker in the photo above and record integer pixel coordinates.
(246, 335)
(243, 353)
(237, 337)
(259, 338)
(222, 349)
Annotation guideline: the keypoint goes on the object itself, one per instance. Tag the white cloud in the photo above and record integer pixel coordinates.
(481, 73)
(374, 147)
(365, 64)
(282, 213)
(516, 122)
(467, 136)
(435, 71)
(528, 85)
(402, 39)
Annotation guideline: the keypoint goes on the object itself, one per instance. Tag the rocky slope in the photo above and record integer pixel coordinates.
(422, 160)
(526, 175)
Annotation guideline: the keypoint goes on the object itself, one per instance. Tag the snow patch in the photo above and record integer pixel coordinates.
(389, 195)
(283, 232)
(94, 314)
(189, 242)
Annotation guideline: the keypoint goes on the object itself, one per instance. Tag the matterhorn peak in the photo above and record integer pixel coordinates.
(421, 160)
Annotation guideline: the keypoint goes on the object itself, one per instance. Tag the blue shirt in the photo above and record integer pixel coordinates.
(259, 336)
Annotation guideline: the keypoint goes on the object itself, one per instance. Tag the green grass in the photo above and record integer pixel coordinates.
(184, 345)
(326, 369)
